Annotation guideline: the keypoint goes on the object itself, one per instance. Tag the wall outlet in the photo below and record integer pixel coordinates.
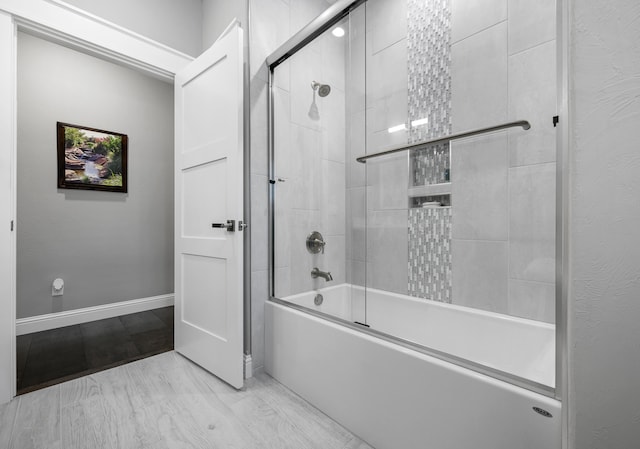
(57, 287)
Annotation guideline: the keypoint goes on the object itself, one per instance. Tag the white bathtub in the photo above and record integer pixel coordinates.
(397, 398)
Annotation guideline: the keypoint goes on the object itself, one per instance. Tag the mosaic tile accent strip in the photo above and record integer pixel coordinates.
(429, 165)
(429, 79)
(429, 65)
(430, 253)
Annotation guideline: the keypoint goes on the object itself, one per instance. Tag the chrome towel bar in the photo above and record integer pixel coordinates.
(520, 123)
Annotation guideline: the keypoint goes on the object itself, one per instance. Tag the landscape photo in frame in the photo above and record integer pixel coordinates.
(91, 158)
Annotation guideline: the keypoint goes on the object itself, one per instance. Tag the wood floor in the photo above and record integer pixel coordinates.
(57, 355)
(167, 402)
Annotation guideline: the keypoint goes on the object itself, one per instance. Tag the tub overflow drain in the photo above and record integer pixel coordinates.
(318, 299)
(542, 412)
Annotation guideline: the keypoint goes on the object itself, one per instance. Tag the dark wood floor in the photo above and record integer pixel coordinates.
(54, 356)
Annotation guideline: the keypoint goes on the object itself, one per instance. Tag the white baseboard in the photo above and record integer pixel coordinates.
(79, 316)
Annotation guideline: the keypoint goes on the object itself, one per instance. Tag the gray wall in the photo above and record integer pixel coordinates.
(217, 14)
(108, 247)
(176, 23)
(605, 225)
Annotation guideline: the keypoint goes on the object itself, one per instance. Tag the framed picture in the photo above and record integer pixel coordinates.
(91, 159)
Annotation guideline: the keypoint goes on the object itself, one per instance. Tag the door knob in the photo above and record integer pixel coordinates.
(230, 225)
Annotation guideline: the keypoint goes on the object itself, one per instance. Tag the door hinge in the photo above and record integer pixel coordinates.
(11, 225)
(556, 119)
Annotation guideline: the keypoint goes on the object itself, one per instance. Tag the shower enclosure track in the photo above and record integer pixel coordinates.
(520, 123)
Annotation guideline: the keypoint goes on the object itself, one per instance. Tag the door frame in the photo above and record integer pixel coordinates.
(61, 23)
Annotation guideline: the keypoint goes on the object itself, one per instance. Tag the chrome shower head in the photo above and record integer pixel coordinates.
(323, 89)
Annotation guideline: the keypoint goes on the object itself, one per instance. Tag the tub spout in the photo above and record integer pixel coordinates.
(326, 275)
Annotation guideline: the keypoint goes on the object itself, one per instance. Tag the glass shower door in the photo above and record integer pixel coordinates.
(311, 239)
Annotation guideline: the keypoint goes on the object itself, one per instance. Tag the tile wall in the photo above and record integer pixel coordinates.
(386, 179)
(430, 253)
(470, 65)
(272, 23)
(503, 185)
(310, 164)
(429, 80)
(502, 67)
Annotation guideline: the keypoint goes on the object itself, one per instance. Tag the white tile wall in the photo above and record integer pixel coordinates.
(531, 23)
(479, 188)
(273, 22)
(334, 127)
(382, 140)
(259, 212)
(357, 272)
(283, 80)
(480, 274)
(310, 157)
(258, 101)
(533, 300)
(304, 11)
(503, 68)
(282, 282)
(388, 181)
(265, 38)
(387, 97)
(356, 61)
(532, 96)
(301, 224)
(532, 222)
(259, 287)
(479, 79)
(356, 229)
(356, 148)
(283, 217)
(333, 202)
(387, 250)
(304, 157)
(334, 68)
(387, 21)
(282, 131)
(387, 73)
(306, 67)
(469, 17)
(488, 87)
(334, 259)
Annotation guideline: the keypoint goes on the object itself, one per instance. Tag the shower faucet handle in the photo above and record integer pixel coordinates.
(318, 243)
(315, 243)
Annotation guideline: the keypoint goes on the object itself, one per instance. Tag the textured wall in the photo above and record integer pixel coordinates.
(604, 229)
(108, 247)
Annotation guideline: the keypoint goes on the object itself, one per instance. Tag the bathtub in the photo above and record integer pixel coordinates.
(395, 397)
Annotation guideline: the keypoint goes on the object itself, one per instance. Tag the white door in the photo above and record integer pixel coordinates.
(209, 187)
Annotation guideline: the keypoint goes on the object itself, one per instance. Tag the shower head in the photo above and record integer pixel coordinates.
(323, 89)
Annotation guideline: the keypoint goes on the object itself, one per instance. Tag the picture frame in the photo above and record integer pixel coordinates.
(91, 158)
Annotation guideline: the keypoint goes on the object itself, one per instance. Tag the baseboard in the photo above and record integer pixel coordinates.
(79, 316)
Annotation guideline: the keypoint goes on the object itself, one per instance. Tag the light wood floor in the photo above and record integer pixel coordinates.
(167, 402)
